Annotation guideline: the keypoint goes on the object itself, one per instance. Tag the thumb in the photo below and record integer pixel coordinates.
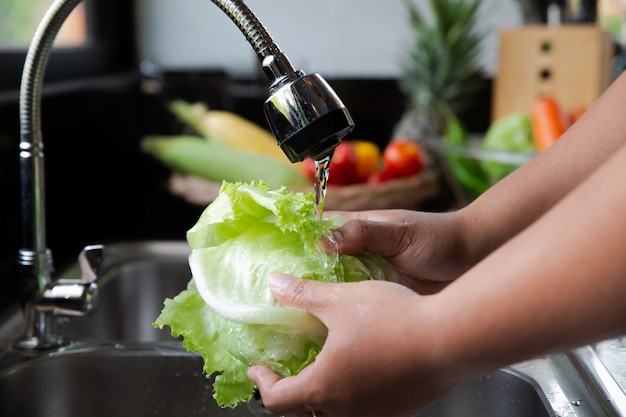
(384, 238)
(304, 294)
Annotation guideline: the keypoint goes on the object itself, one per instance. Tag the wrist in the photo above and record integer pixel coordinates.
(478, 234)
(459, 350)
(441, 353)
(461, 245)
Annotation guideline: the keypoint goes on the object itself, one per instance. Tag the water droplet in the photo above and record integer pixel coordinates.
(335, 245)
(319, 184)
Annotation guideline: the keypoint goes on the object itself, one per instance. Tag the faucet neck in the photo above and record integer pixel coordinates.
(34, 255)
(279, 70)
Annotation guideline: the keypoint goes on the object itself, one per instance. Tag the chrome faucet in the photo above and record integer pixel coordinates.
(305, 114)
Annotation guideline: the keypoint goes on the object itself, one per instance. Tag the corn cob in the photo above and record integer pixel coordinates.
(228, 128)
(215, 161)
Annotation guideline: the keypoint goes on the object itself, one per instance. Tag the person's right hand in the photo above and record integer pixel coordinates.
(384, 355)
(427, 249)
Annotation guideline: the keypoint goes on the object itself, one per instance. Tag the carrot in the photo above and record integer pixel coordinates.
(577, 114)
(547, 122)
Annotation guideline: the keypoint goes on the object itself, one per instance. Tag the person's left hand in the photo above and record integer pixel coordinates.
(428, 250)
(382, 356)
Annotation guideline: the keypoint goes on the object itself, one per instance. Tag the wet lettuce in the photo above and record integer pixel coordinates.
(227, 313)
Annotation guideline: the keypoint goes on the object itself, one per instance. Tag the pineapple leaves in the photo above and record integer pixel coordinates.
(414, 16)
(441, 69)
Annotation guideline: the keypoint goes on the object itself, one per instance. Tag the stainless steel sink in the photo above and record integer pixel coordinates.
(108, 381)
(162, 380)
(119, 365)
(504, 393)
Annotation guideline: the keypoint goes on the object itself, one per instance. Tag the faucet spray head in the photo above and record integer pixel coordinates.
(304, 112)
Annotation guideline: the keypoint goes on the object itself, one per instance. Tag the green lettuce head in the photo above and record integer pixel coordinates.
(227, 313)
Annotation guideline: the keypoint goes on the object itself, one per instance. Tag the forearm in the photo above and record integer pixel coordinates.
(559, 284)
(521, 198)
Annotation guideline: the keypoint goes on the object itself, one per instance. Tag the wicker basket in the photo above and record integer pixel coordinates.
(404, 193)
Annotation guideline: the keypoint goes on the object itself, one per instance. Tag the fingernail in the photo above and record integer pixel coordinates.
(330, 243)
(337, 236)
(278, 283)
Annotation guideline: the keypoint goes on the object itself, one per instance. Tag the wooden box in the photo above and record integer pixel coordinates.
(571, 63)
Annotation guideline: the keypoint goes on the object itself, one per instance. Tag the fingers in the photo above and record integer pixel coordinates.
(263, 377)
(308, 295)
(395, 215)
(290, 395)
(265, 380)
(283, 396)
(276, 390)
(385, 238)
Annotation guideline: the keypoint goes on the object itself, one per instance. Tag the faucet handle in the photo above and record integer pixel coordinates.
(72, 297)
(63, 297)
(90, 260)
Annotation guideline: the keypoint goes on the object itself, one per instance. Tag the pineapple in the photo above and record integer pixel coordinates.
(440, 73)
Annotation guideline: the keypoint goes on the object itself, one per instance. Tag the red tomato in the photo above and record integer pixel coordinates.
(308, 166)
(379, 177)
(342, 170)
(352, 162)
(403, 158)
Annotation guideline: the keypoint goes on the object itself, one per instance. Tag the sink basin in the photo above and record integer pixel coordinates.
(163, 380)
(108, 382)
(119, 365)
(503, 393)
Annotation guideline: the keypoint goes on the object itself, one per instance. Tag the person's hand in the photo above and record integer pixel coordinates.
(427, 249)
(382, 356)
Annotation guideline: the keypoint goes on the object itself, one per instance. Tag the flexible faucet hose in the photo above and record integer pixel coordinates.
(250, 26)
(34, 253)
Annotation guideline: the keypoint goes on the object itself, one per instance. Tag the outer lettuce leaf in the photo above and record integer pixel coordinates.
(227, 313)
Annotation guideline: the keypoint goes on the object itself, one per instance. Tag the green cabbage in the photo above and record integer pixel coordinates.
(227, 313)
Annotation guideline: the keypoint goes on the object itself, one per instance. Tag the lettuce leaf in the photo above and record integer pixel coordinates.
(227, 313)
(511, 133)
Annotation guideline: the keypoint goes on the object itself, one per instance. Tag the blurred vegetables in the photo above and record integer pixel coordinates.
(403, 158)
(577, 114)
(215, 161)
(511, 133)
(509, 142)
(360, 161)
(353, 162)
(228, 128)
(366, 158)
(231, 148)
(548, 122)
(468, 172)
(343, 168)
(478, 164)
